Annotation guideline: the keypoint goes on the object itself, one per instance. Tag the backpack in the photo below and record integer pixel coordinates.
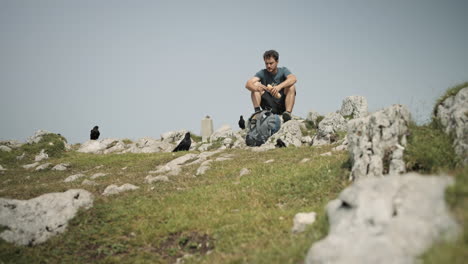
(261, 126)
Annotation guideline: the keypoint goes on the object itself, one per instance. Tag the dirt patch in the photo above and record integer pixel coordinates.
(178, 245)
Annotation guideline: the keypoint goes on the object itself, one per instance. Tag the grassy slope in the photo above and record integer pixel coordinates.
(245, 219)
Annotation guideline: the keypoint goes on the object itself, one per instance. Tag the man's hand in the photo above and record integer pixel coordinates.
(261, 87)
(274, 90)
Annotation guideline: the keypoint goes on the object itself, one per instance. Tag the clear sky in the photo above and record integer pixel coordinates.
(142, 68)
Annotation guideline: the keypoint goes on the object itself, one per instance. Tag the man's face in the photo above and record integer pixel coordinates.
(271, 64)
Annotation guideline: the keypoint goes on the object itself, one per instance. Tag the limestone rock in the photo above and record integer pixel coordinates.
(114, 189)
(21, 157)
(312, 116)
(453, 115)
(31, 222)
(354, 107)
(41, 156)
(203, 167)
(37, 136)
(150, 145)
(290, 133)
(204, 147)
(384, 220)
(88, 182)
(328, 127)
(5, 148)
(2, 169)
(173, 136)
(61, 166)
(74, 177)
(224, 131)
(30, 166)
(43, 167)
(11, 144)
(333, 120)
(161, 178)
(97, 175)
(302, 220)
(244, 171)
(376, 142)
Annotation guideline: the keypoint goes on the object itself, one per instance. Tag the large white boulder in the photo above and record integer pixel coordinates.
(33, 221)
(376, 142)
(290, 133)
(354, 107)
(392, 219)
(224, 131)
(453, 115)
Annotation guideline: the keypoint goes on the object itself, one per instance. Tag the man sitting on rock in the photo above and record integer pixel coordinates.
(273, 87)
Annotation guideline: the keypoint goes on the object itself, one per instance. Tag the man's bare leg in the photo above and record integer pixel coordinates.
(256, 98)
(290, 98)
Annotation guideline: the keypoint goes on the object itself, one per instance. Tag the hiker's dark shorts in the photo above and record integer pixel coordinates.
(277, 106)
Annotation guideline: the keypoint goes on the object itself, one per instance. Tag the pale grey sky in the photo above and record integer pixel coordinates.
(142, 68)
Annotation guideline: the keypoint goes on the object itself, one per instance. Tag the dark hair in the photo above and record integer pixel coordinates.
(271, 53)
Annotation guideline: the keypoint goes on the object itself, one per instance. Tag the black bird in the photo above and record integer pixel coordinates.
(184, 144)
(280, 143)
(242, 122)
(95, 133)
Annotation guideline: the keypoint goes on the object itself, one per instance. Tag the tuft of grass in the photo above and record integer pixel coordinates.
(195, 137)
(127, 141)
(457, 199)
(429, 150)
(52, 144)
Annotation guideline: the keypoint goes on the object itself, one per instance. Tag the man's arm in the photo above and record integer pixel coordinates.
(254, 85)
(290, 81)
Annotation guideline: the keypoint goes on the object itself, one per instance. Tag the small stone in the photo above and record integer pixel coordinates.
(43, 166)
(161, 178)
(30, 166)
(302, 220)
(244, 171)
(114, 189)
(88, 182)
(97, 175)
(74, 177)
(269, 161)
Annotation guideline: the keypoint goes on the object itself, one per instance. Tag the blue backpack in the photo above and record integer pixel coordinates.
(261, 126)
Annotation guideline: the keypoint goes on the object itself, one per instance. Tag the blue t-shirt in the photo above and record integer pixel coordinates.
(273, 79)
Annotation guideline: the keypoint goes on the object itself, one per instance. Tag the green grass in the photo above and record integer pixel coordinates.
(429, 150)
(237, 220)
(457, 198)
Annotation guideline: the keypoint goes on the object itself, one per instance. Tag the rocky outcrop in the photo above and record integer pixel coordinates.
(290, 133)
(33, 221)
(223, 132)
(328, 128)
(392, 219)
(41, 156)
(354, 107)
(376, 142)
(453, 115)
(302, 220)
(150, 145)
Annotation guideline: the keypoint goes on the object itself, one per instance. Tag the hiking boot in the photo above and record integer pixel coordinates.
(286, 116)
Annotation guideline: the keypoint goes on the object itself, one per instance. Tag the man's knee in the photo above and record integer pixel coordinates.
(291, 89)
